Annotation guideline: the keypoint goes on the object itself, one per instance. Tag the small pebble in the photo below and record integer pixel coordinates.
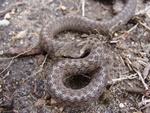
(118, 6)
(17, 83)
(40, 102)
(7, 16)
(4, 22)
(21, 42)
(31, 61)
(126, 36)
(51, 1)
(113, 42)
(20, 35)
(115, 34)
(63, 8)
(84, 35)
(13, 12)
(40, 59)
(121, 105)
(61, 109)
(1, 52)
(53, 102)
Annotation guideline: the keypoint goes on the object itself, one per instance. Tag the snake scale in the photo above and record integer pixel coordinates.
(93, 63)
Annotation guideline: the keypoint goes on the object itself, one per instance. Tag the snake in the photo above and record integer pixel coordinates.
(93, 63)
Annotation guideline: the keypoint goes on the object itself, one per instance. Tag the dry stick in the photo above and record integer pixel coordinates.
(127, 32)
(7, 66)
(142, 79)
(83, 7)
(146, 70)
(141, 12)
(135, 90)
(17, 55)
(41, 68)
(144, 101)
(129, 63)
(133, 76)
(139, 74)
(2, 13)
(78, 7)
(60, 4)
(12, 58)
(148, 28)
(145, 106)
(34, 46)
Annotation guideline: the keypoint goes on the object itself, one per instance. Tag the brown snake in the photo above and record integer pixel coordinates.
(94, 61)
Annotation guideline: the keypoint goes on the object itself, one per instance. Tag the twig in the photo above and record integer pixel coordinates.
(60, 4)
(18, 54)
(135, 90)
(148, 28)
(44, 61)
(144, 101)
(83, 7)
(127, 32)
(2, 13)
(78, 7)
(138, 72)
(12, 58)
(146, 70)
(10, 63)
(125, 77)
(39, 70)
(145, 106)
(141, 12)
(34, 46)
(141, 78)
(129, 64)
(146, 67)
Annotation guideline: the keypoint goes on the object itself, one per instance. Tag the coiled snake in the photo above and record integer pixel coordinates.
(94, 61)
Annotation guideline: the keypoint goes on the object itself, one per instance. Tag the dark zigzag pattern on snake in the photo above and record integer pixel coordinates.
(94, 61)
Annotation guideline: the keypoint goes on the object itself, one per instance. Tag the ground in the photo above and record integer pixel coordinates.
(23, 74)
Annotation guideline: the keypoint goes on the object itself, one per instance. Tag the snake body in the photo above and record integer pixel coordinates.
(93, 63)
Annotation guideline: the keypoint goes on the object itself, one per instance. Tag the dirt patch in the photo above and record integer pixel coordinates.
(23, 78)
